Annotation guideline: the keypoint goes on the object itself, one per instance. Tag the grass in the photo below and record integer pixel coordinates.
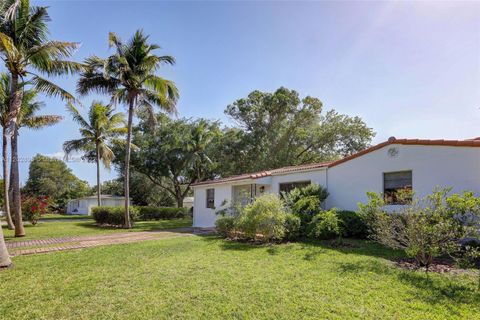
(203, 277)
(56, 216)
(84, 227)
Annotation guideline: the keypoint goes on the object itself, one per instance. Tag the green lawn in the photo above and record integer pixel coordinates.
(83, 227)
(56, 216)
(203, 277)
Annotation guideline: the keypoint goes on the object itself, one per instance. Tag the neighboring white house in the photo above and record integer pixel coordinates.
(188, 202)
(384, 168)
(85, 205)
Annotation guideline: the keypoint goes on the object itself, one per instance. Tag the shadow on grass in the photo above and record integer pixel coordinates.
(313, 248)
(433, 290)
(430, 288)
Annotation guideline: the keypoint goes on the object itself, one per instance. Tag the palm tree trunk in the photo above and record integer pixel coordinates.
(16, 196)
(4, 256)
(6, 198)
(16, 96)
(98, 175)
(128, 223)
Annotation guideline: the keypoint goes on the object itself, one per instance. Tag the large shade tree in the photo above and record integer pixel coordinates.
(176, 153)
(281, 129)
(102, 125)
(30, 55)
(28, 118)
(48, 176)
(129, 76)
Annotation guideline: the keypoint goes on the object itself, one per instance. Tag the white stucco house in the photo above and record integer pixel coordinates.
(85, 205)
(395, 164)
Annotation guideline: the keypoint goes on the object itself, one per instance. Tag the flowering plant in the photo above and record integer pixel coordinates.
(34, 208)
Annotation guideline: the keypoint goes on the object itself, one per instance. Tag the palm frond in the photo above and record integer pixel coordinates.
(105, 154)
(39, 122)
(77, 145)
(51, 89)
(11, 8)
(96, 82)
(77, 117)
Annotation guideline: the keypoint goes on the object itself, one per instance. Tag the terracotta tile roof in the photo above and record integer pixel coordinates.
(474, 142)
(266, 173)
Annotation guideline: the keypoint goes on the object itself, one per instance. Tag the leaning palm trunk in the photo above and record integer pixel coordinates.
(128, 223)
(97, 158)
(6, 198)
(15, 187)
(4, 256)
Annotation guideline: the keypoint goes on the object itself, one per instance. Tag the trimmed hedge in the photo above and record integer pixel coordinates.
(112, 215)
(160, 213)
(115, 215)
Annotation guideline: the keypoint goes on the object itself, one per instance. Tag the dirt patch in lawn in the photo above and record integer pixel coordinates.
(438, 266)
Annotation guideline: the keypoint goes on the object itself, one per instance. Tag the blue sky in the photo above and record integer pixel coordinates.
(410, 70)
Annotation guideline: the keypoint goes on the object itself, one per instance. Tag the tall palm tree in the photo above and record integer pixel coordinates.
(4, 256)
(25, 48)
(27, 118)
(129, 76)
(101, 126)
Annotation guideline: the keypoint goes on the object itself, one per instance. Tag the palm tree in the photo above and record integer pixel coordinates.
(24, 47)
(27, 118)
(101, 126)
(4, 256)
(129, 77)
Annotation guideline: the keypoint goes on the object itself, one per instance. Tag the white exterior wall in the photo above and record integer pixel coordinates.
(317, 176)
(84, 206)
(348, 182)
(204, 217)
(457, 167)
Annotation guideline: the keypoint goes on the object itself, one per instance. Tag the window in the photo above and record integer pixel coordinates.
(211, 198)
(397, 187)
(289, 186)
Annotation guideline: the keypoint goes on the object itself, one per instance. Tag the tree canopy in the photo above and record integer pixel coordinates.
(51, 177)
(175, 153)
(281, 129)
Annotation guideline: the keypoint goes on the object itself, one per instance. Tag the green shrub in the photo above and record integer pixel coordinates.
(353, 224)
(265, 217)
(292, 227)
(160, 213)
(306, 203)
(225, 226)
(312, 190)
(426, 228)
(306, 208)
(112, 215)
(325, 225)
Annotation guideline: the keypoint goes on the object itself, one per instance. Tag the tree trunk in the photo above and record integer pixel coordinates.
(16, 196)
(6, 198)
(180, 202)
(4, 256)
(98, 177)
(16, 96)
(128, 223)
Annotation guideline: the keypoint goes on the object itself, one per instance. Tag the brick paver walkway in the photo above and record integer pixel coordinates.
(67, 243)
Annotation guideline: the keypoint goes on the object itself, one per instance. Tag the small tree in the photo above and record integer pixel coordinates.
(425, 229)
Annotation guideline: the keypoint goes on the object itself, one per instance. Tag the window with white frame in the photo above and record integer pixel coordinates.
(397, 187)
(211, 198)
(286, 187)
